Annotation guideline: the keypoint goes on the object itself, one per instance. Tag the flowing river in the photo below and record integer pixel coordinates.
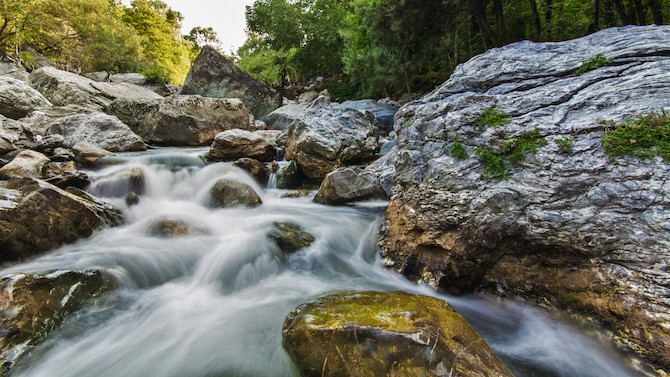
(212, 303)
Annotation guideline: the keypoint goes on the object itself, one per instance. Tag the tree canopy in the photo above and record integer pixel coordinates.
(387, 47)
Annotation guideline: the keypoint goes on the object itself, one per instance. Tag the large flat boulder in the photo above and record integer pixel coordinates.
(503, 182)
(321, 140)
(100, 129)
(378, 334)
(181, 120)
(18, 99)
(214, 75)
(234, 144)
(64, 88)
(34, 305)
(40, 120)
(36, 216)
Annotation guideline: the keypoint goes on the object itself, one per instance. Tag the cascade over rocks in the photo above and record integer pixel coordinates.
(102, 130)
(18, 99)
(234, 144)
(181, 120)
(214, 75)
(36, 216)
(64, 88)
(572, 227)
(321, 140)
(386, 334)
(34, 305)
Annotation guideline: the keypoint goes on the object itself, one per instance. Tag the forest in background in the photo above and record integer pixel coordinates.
(364, 48)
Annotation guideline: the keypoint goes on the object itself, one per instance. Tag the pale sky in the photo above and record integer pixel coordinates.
(225, 16)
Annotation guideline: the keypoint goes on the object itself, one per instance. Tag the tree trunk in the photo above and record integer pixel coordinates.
(500, 22)
(657, 11)
(595, 23)
(547, 17)
(621, 10)
(478, 11)
(536, 20)
(639, 11)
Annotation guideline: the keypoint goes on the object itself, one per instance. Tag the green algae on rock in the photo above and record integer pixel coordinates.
(386, 334)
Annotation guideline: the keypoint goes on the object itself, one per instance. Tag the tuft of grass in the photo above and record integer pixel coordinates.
(492, 117)
(457, 150)
(644, 136)
(513, 152)
(595, 62)
(565, 144)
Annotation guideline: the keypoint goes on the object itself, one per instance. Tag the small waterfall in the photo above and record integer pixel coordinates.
(212, 302)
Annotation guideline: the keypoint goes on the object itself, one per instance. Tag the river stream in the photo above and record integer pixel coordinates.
(212, 304)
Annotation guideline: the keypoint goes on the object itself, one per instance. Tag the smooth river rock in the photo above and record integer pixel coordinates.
(234, 144)
(99, 129)
(574, 228)
(378, 334)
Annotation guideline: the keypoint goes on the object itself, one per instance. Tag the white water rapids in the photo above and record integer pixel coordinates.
(212, 305)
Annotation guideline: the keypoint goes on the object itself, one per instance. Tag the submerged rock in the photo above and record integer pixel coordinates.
(18, 99)
(229, 193)
(321, 140)
(36, 216)
(214, 75)
(386, 334)
(572, 227)
(120, 184)
(170, 227)
(290, 237)
(34, 305)
(181, 120)
(234, 144)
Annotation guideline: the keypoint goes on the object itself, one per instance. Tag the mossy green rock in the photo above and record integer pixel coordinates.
(31, 306)
(386, 334)
(290, 237)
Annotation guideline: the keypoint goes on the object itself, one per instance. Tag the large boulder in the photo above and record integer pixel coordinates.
(323, 139)
(14, 70)
(26, 164)
(181, 120)
(34, 305)
(100, 129)
(352, 184)
(18, 99)
(36, 216)
(214, 75)
(64, 88)
(281, 118)
(375, 334)
(14, 135)
(40, 120)
(383, 112)
(230, 193)
(503, 183)
(233, 144)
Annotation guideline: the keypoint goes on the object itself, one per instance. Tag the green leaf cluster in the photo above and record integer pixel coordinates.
(513, 152)
(492, 117)
(594, 63)
(458, 151)
(644, 136)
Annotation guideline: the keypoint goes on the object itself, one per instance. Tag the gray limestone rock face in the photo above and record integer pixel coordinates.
(576, 228)
(14, 135)
(18, 99)
(40, 120)
(181, 120)
(322, 139)
(100, 129)
(15, 70)
(214, 75)
(64, 88)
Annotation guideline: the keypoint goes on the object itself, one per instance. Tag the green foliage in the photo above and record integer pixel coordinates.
(513, 152)
(594, 63)
(644, 136)
(157, 75)
(27, 60)
(492, 117)
(458, 151)
(565, 144)
(494, 164)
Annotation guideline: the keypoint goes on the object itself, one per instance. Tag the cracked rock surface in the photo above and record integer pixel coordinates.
(574, 228)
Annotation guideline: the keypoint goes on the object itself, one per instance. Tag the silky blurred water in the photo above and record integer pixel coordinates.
(212, 303)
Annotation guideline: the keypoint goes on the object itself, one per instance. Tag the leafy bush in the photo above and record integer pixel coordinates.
(494, 164)
(644, 136)
(513, 152)
(492, 117)
(157, 75)
(565, 144)
(595, 62)
(457, 150)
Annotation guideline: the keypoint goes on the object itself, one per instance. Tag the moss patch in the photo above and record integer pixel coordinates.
(458, 151)
(594, 63)
(644, 136)
(492, 117)
(513, 152)
(565, 144)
